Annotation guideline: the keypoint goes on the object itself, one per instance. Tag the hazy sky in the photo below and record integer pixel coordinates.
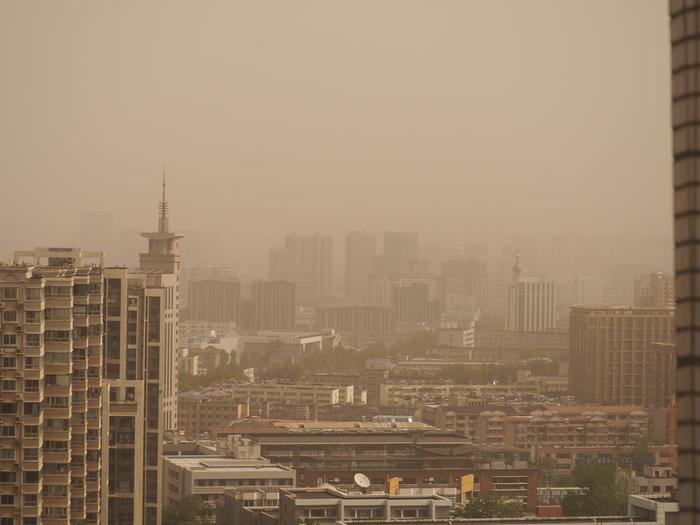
(272, 117)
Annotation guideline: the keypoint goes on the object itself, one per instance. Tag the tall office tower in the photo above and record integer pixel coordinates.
(411, 303)
(531, 303)
(464, 285)
(135, 340)
(306, 261)
(400, 252)
(162, 261)
(588, 290)
(655, 290)
(215, 301)
(273, 305)
(360, 258)
(51, 391)
(612, 358)
(685, 64)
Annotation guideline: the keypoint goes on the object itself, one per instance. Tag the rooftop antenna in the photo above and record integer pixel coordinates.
(163, 210)
(362, 481)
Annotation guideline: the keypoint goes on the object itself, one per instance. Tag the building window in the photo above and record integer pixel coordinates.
(32, 339)
(31, 316)
(7, 477)
(9, 362)
(7, 499)
(9, 316)
(31, 454)
(9, 293)
(32, 294)
(9, 339)
(9, 385)
(7, 454)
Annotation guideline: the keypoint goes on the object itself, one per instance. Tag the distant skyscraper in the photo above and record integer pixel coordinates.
(464, 285)
(306, 261)
(400, 252)
(411, 303)
(656, 290)
(162, 261)
(531, 303)
(360, 258)
(685, 85)
(215, 301)
(273, 305)
(589, 290)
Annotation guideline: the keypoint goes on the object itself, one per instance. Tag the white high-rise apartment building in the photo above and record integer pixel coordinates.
(531, 303)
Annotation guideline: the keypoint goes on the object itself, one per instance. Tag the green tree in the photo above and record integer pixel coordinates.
(601, 495)
(189, 511)
(220, 374)
(490, 506)
(640, 455)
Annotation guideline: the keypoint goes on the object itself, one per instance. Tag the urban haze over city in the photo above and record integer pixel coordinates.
(389, 262)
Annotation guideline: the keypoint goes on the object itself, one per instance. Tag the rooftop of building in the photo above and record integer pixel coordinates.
(223, 464)
(322, 492)
(278, 426)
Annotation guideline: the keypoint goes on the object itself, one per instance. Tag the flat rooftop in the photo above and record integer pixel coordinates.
(222, 464)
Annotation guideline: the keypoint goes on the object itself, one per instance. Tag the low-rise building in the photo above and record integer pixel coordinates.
(209, 476)
(330, 505)
(301, 392)
(201, 413)
(562, 460)
(405, 393)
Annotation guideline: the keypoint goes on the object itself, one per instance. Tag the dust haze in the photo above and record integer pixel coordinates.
(481, 125)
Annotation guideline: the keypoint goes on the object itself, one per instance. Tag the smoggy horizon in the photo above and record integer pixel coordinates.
(472, 123)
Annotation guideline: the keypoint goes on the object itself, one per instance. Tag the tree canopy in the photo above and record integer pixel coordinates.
(602, 495)
(490, 506)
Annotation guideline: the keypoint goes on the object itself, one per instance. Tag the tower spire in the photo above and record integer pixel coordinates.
(516, 266)
(163, 210)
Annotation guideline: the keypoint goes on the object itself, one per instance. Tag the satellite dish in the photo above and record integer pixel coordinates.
(361, 480)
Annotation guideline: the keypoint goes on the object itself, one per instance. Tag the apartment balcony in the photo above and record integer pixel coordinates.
(57, 456)
(94, 382)
(33, 488)
(59, 302)
(33, 373)
(92, 486)
(79, 384)
(92, 506)
(94, 402)
(34, 306)
(59, 324)
(33, 465)
(77, 512)
(56, 434)
(56, 390)
(95, 319)
(33, 328)
(53, 367)
(95, 297)
(57, 412)
(33, 442)
(33, 396)
(94, 424)
(33, 511)
(33, 420)
(56, 501)
(95, 340)
(80, 364)
(78, 449)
